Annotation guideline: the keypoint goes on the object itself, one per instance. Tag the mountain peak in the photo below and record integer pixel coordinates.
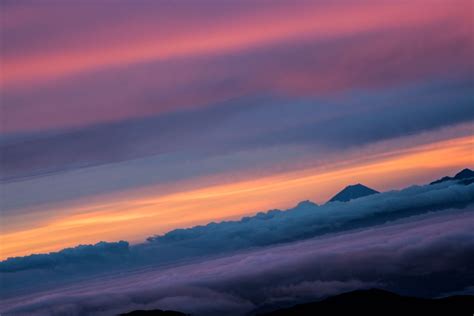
(352, 192)
(465, 176)
(357, 185)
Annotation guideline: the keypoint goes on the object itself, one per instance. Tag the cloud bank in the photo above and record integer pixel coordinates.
(308, 219)
(201, 243)
(426, 255)
(305, 220)
(102, 252)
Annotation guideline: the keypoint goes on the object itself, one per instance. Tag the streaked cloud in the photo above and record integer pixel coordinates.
(149, 63)
(142, 114)
(139, 211)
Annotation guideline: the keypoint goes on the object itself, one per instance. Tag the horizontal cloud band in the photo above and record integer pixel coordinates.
(427, 255)
(304, 221)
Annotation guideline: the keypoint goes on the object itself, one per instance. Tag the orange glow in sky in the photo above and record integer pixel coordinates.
(133, 218)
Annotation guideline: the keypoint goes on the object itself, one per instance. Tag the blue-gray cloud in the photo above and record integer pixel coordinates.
(247, 123)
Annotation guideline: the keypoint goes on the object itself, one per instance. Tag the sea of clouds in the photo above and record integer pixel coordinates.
(429, 255)
(419, 241)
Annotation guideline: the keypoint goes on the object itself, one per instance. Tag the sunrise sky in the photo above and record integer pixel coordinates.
(121, 120)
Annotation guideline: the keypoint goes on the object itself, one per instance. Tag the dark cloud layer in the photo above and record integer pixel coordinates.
(102, 253)
(305, 220)
(247, 123)
(308, 220)
(426, 255)
(408, 240)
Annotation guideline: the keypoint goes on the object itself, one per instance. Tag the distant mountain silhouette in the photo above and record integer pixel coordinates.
(465, 176)
(380, 302)
(352, 192)
(155, 312)
(306, 203)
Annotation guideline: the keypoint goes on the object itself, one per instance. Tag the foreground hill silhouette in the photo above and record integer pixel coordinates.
(380, 302)
(352, 192)
(363, 302)
(155, 312)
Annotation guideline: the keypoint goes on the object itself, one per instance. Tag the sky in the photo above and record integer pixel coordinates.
(121, 120)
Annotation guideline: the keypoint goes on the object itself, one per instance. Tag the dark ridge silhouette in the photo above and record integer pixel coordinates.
(154, 312)
(352, 192)
(465, 176)
(380, 302)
